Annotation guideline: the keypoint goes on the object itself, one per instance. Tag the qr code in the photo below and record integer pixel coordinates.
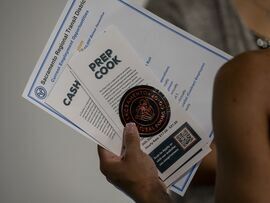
(185, 138)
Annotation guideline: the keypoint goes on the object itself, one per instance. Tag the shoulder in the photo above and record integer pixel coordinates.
(247, 75)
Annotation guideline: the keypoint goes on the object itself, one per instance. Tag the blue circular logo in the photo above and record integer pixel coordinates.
(41, 92)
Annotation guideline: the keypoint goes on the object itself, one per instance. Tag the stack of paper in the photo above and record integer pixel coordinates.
(109, 62)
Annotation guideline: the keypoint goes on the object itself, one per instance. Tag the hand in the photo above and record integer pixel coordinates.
(134, 172)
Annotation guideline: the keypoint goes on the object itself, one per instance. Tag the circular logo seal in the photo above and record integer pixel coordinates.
(147, 107)
(41, 92)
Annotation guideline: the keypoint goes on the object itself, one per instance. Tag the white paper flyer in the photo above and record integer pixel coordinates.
(126, 91)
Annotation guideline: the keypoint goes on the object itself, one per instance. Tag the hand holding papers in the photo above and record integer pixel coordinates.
(124, 91)
(185, 68)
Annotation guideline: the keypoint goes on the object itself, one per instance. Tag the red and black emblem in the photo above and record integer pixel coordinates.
(147, 107)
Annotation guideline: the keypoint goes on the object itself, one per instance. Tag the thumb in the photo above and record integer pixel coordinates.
(131, 139)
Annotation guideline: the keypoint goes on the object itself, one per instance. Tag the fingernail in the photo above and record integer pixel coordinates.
(129, 127)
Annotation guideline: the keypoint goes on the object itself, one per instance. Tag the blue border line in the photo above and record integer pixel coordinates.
(66, 119)
(187, 179)
(144, 14)
(176, 32)
(57, 34)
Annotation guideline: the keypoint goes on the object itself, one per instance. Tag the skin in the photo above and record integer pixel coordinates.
(255, 14)
(134, 172)
(241, 117)
(241, 112)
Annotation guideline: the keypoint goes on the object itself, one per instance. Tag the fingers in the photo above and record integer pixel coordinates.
(109, 161)
(131, 144)
(131, 139)
(105, 155)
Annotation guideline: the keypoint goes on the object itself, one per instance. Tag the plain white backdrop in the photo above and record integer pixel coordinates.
(41, 159)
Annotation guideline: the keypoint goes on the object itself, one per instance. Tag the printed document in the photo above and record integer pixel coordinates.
(185, 65)
(126, 91)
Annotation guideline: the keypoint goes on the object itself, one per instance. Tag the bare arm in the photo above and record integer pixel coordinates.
(241, 109)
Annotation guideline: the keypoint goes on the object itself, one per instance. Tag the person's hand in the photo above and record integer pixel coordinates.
(134, 172)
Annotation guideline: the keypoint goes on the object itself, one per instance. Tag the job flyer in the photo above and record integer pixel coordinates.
(125, 91)
(185, 65)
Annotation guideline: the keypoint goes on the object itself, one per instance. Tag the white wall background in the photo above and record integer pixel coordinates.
(41, 160)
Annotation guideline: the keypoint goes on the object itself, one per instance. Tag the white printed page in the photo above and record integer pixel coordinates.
(110, 69)
(70, 99)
